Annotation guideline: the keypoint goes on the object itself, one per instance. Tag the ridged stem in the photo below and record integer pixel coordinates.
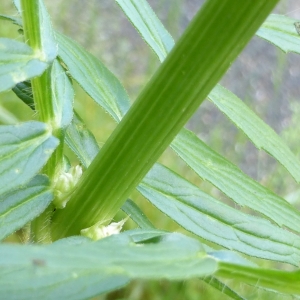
(42, 94)
(206, 50)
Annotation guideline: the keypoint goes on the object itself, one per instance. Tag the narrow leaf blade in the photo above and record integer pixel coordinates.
(222, 287)
(263, 136)
(62, 95)
(20, 206)
(38, 29)
(81, 141)
(281, 31)
(216, 222)
(149, 26)
(17, 63)
(136, 214)
(24, 150)
(14, 20)
(87, 269)
(94, 77)
(280, 281)
(24, 91)
(214, 168)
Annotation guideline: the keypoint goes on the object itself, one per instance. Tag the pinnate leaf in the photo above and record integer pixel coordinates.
(149, 26)
(85, 269)
(88, 269)
(22, 205)
(23, 91)
(81, 141)
(263, 136)
(136, 214)
(222, 287)
(227, 177)
(94, 77)
(281, 31)
(18, 63)
(62, 95)
(215, 221)
(24, 150)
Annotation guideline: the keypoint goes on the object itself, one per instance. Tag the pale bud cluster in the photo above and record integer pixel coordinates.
(98, 231)
(65, 184)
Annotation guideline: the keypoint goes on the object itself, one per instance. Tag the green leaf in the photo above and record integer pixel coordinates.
(17, 4)
(216, 222)
(38, 29)
(136, 214)
(14, 20)
(94, 77)
(79, 269)
(62, 96)
(263, 136)
(149, 26)
(167, 102)
(222, 287)
(73, 241)
(24, 91)
(214, 168)
(17, 63)
(146, 235)
(20, 206)
(87, 269)
(24, 150)
(278, 281)
(281, 32)
(81, 141)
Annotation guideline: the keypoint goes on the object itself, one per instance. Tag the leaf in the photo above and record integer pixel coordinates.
(62, 95)
(222, 287)
(278, 281)
(281, 31)
(82, 269)
(17, 63)
(72, 241)
(81, 141)
(263, 136)
(146, 235)
(14, 20)
(136, 214)
(24, 150)
(17, 4)
(214, 168)
(87, 269)
(20, 206)
(216, 222)
(24, 91)
(94, 77)
(149, 26)
(38, 30)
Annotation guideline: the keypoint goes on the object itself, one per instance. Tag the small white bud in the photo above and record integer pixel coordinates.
(98, 231)
(65, 184)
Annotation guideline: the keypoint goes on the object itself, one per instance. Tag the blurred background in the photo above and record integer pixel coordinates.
(265, 78)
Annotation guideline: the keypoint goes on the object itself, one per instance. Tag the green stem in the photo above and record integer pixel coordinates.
(213, 40)
(42, 94)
